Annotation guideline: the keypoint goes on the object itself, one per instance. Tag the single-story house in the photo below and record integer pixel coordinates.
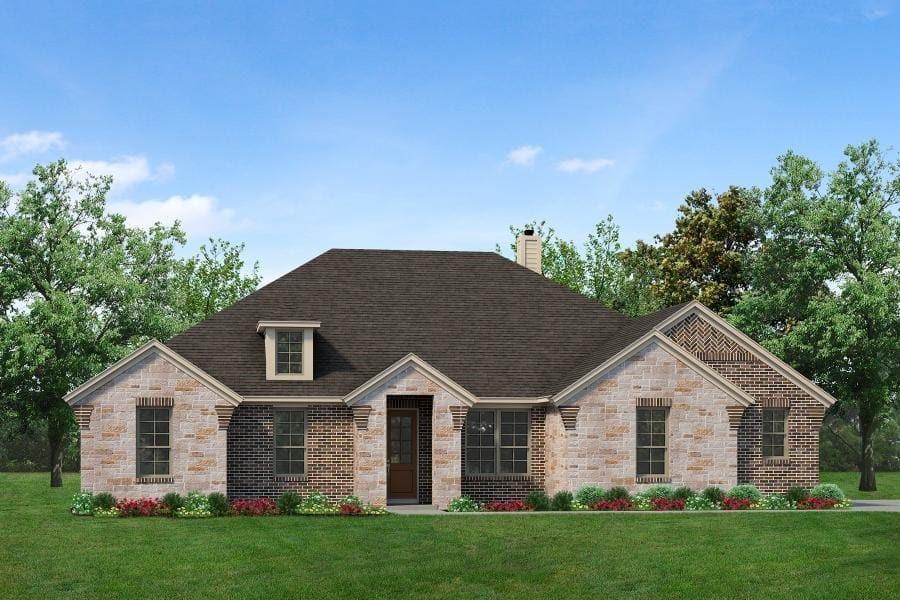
(420, 376)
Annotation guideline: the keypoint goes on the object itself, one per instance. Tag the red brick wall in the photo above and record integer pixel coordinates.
(768, 387)
(329, 453)
(485, 488)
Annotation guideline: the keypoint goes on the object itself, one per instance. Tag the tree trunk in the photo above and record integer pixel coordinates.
(867, 465)
(56, 434)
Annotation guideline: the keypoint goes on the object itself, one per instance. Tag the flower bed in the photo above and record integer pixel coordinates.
(197, 505)
(666, 498)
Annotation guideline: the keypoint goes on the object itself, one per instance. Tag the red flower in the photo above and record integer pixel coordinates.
(140, 507)
(816, 503)
(666, 504)
(730, 503)
(617, 504)
(350, 509)
(511, 506)
(253, 508)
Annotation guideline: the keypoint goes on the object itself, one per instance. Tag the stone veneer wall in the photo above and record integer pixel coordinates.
(109, 445)
(769, 388)
(601, 447)
(484, 488)
(371, 457)
(329, 453)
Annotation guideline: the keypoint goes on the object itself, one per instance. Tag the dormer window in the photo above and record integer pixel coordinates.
(289, 349)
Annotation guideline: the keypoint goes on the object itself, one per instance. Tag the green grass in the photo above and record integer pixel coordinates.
(888, 485)
(47, 553)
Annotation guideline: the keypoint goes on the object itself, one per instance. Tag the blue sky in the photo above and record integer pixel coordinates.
(397, 125)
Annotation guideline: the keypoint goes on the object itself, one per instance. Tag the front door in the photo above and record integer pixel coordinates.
(401, 454)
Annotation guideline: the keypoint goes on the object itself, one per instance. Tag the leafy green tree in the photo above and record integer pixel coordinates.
(825, 283)
(210, 281)
(78, 289)
(597, 269)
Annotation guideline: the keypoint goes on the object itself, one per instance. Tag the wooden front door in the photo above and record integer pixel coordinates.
(401, 448)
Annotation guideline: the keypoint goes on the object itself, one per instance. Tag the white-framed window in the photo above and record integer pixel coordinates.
(290, 442)
(652, 441)
(153, 441)
(289, 349)
(289, 352)
(497, 442)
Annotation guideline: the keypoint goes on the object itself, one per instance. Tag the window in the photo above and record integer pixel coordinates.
(289, 357)
(290, 442)
(773, 432)
(651, 441)
(153, 441)
(497, 442)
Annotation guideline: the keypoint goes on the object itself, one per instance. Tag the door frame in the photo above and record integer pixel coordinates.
(387, 456)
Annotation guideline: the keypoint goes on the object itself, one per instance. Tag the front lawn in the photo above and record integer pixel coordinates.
(888, 485)
(45, 552)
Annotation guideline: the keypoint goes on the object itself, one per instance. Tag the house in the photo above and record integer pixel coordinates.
(418, 376)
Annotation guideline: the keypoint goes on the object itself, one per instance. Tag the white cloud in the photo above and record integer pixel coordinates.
(200, 216)
(15, 180)
(30, 142)
(523, 156)
(126, 171)
(584, 165)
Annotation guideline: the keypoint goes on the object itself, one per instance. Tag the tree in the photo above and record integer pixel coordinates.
(210, 281)
(825, 283)
(597, 270)
(78, 289)
(704, 257)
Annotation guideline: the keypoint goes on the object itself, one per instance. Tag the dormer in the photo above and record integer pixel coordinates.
(289, 349)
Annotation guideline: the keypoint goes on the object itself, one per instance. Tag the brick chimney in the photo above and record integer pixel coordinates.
(528, 250)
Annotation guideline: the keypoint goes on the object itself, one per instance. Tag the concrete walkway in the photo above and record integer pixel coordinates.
(427, 509)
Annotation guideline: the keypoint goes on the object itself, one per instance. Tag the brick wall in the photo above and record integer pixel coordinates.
(109, 445)
(485, 488)
(329, 453)
(769, 388)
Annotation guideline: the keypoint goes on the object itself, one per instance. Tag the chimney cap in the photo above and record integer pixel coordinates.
(529, 231)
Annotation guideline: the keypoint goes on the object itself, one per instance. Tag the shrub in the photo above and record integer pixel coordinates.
(700, 502)
(562, 500)
(288, 503)
(615, 504)
(141, 507)
(218, 504)
(354, 500)
(715, 495)
(732, 503)
(589, 495)
(104, 501)
(511, 506)
(253, 508)
(195, 505)
(463, 504)
(317, 503)
(82, 504)
(774, 502)
(538, 500)
(106, 512)
(816, 503)
(667, 504)
(660, 491)
(350, 509)
(683, 493)
(641, 501)
(828, 491)
(745, 492)
(796, 494)
(173, 501)
(617, 493)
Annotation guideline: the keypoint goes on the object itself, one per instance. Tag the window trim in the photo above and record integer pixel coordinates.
(762, 434)
(306, 352)
(497, 427)
(305, 446)
(665, 474)
(138, 447)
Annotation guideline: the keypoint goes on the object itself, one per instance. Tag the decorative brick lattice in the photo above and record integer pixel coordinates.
(705, 341)
(652, 402)
(83, 415)
(148, 401)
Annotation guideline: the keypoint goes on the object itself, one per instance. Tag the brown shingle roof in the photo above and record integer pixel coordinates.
(489, 324)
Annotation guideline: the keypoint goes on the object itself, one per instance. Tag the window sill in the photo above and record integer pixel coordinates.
(290, 478)
(777, 461)
(510, 477)
(149, 480)
(653, 479)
